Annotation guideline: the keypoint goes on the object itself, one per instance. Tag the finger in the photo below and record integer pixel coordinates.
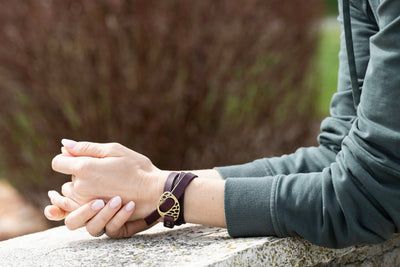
(116, 227)
(95, 150)
(134, 227)
(80, 216)
(54, 213)
(99, 222)
(65, 152)
(71, 165)
(64, 203)
(70, 190)
(67, 189)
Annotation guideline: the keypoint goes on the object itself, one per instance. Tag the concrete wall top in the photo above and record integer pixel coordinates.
(189, 245)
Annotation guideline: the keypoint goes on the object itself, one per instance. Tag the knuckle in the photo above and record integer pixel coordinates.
(92, 149)
(65, 189)
(112, 227)
(67, 204)
(126, 233)
(81, 189)
(117, 149)
(64, 204)
(80, 167)
(115, 146)
(91, 229)
(111, 149)
(112, 232)
(78, 187)
(103, 220)
(84, 147)
(116, 225)
(69, 223)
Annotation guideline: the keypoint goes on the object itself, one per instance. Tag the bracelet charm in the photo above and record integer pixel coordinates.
(170, 204)
(173, 211)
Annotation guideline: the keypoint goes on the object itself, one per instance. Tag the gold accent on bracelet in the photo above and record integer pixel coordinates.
(174, 210)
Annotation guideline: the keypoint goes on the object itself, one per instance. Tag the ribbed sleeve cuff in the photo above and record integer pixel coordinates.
(253, 169)
(247, 207)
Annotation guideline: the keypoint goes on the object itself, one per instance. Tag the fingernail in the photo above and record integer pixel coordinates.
(130, 206)
(52, 194)
(98, 204)
(48, 214)
(70, 144)
(115, 202)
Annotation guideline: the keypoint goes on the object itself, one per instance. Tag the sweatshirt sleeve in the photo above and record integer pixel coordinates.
(354, 200)
(333, 128)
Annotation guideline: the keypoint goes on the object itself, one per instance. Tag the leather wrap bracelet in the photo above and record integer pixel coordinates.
(170, 205)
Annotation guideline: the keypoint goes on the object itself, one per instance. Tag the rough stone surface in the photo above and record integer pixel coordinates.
(189, 245)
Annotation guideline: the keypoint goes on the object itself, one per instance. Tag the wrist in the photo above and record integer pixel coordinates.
(152, 184)
(159, 178)
(170, 206)
(204, 202)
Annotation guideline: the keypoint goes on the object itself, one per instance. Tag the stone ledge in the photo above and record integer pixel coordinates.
(189, 245)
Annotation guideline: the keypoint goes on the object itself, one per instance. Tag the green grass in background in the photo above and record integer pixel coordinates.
(327, 67)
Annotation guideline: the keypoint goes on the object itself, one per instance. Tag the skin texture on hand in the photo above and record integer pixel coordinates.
(107, 170)
(133, 177)
(95, 216)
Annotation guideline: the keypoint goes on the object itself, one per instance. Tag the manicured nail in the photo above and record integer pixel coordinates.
(48, 214)
(115, 202)
(70, 144)
(52, 194)
(98, 204)
(130, 206)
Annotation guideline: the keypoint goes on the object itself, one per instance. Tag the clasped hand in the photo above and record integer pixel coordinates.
(111, 188)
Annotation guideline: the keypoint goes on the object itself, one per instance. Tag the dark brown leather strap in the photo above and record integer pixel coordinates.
(169, 185)
(176, 184)
(171, 181)
(169, 220)
(154, 216)
(183, 181)
(181, 218)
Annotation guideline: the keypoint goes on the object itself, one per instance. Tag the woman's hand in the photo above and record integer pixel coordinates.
(101, 171)
(95, 215)
(60, 208)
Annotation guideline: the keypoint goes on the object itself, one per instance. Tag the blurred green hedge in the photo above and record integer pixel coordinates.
(191, 84)
(331, 7)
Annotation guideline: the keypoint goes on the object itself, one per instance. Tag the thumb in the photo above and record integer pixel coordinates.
(90, 149)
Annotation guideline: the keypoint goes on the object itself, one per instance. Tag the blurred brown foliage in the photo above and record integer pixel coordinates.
(189, 83)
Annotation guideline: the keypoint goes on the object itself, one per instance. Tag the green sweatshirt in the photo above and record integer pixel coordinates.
(346, 191)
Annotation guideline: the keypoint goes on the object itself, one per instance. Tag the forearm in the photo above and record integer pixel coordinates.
(204, 202)
(208, 174)
(204, 198)
(202, 174)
